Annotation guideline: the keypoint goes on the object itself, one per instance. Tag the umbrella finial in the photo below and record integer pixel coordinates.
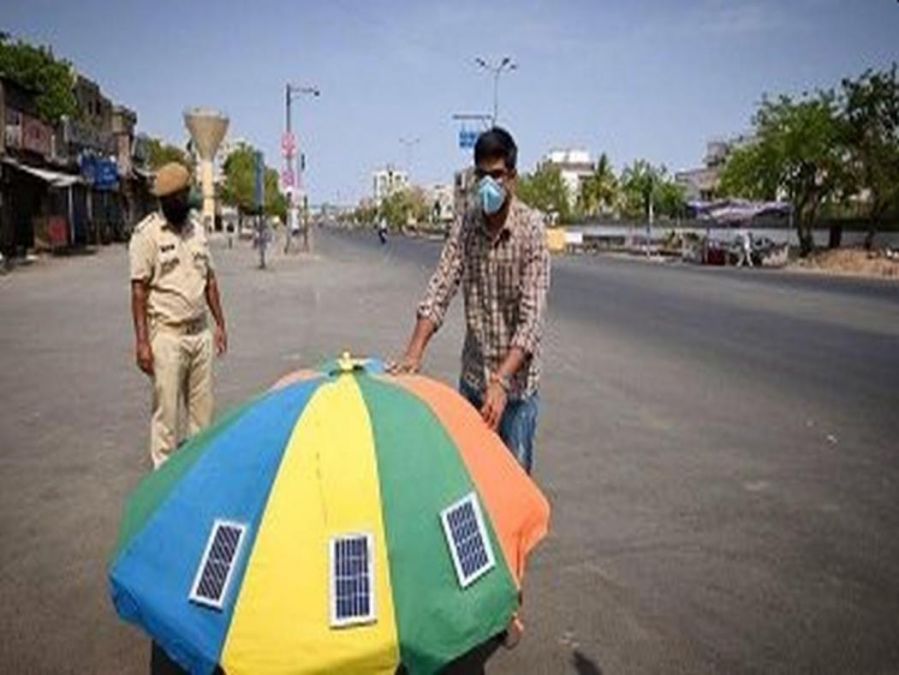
(345, 363)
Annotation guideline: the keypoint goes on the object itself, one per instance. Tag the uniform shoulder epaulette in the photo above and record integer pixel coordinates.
(144, 225)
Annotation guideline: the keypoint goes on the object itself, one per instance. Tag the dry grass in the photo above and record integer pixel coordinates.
(851, 261)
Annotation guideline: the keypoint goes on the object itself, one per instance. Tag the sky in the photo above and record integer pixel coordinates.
(651, 79)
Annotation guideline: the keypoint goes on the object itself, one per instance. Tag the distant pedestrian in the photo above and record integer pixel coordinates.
(172, 282)
(382, 230)
(745, 241)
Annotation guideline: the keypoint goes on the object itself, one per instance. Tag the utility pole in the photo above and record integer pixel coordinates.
(259, 204)
(497, 69)
(292, 177)
(650, 214)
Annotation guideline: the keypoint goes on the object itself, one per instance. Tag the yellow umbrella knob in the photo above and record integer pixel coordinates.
(345, 363)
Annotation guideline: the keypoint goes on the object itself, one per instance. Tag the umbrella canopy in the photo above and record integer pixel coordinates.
(344, 521)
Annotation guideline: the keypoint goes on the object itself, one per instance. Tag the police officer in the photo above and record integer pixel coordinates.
(172, 282)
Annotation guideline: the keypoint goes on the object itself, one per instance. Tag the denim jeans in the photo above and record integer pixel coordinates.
(517, 426)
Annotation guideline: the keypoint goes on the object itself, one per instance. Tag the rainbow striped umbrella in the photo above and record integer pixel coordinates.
(344, 521)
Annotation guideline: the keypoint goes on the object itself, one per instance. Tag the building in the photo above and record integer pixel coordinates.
(71, 183)
(131, 158)
(463, 189)
(36, 195)
(440, 198)
(387, 181)
(701, 184)
(96, 109)
(91, 144)
(575, 166)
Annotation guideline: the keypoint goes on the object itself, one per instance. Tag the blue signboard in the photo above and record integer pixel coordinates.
(102, 173)
(107, 176)
(467, 138)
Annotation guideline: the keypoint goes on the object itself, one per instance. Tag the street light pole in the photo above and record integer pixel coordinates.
(292, 169)
(497, 69)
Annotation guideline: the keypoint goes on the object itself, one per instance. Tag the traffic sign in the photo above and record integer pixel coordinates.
(288, 144)
(467, 138)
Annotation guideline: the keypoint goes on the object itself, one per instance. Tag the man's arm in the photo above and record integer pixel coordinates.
(414, 354)
(215, 306)
(144, 353)
(497, 394)
(441, 288)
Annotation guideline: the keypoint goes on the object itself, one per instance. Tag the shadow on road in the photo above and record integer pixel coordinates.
(584, 665)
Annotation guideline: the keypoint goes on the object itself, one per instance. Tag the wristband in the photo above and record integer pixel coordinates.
(502, 380)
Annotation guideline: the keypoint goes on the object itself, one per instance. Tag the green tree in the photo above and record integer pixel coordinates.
(644, 185)
(365, 214)
(672, 200)
(753, 172)
(404, 206)
(36, 68)
(239, 188)
(798, 153)
(159, 153)
(240, 179)
(600, 192)
(870, 112)
(545, 190)
(275, 200)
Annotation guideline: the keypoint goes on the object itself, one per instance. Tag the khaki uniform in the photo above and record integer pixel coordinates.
(175, 266)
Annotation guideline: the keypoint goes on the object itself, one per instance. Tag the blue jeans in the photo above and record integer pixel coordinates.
(517, 426)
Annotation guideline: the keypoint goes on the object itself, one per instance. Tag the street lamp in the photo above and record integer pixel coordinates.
(497, 69)
(292, 174)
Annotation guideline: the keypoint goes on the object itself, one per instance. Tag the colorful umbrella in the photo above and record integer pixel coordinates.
(344, 521)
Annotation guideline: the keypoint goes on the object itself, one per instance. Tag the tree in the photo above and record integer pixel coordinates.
(275, 200)
(404, 206)
(239, 188)
(600, 192)
(365, 214)
(870, 114)
(798, 153)
(545, 190)
(670, 199)
(159, 153)
(36, 68)
(643, 184)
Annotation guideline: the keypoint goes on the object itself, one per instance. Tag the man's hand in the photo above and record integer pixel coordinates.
(145, 357)
(221, 340)
(495, 400)
(408, 365)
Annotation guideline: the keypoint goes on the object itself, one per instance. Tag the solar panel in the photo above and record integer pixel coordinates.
(217, 564)
(352, 580)
(466, 536)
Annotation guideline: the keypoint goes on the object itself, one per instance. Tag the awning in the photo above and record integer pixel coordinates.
(54, 178)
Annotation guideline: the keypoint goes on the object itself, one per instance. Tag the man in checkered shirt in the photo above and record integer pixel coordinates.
(497, 252)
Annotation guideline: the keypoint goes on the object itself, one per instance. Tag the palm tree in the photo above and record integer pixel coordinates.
(600, 191)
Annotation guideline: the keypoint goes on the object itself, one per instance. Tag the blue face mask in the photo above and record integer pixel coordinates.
(491, 194)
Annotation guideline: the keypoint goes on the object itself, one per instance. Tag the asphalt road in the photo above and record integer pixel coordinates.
(721, 449)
